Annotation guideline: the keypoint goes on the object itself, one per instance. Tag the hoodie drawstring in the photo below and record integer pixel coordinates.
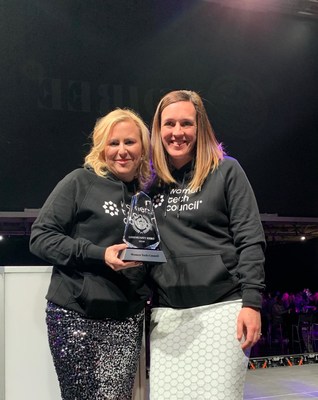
(167, 193)
(180, 198)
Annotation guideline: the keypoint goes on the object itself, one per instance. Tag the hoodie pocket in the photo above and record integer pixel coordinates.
(193, 280)
(100, 298)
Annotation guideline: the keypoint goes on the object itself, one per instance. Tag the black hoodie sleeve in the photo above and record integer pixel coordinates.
(248, 234)
(53, 230)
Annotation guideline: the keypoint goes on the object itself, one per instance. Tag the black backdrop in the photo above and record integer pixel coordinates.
(65, 63)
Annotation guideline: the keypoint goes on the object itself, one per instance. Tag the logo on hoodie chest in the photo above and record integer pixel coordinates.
(113, 210)
(178, 200)
(110, 208)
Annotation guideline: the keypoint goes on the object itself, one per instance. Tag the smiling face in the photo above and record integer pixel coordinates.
(123, 150)
(179, 132)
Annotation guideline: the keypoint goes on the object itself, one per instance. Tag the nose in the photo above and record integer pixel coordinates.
(122, 151)
(177, 129)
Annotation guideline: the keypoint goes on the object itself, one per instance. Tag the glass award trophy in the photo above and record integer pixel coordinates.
(141, 232)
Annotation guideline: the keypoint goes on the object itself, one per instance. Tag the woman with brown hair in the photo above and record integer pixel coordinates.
(207, 297)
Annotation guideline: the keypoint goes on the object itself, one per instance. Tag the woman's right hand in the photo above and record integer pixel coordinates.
(114, 262)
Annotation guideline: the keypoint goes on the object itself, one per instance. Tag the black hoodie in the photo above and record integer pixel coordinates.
(83, 215)
(213, 240)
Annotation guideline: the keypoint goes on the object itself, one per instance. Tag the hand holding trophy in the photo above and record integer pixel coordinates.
(141, 232)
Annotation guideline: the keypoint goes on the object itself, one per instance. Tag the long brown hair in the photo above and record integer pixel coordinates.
(209, 151)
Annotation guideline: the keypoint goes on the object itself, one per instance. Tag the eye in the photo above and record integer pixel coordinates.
(130, 142)
(169, 123)
(187, 123)
(113, 143)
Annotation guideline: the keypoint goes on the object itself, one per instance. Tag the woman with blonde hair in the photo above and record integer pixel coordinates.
(207, 297)
(96, 301)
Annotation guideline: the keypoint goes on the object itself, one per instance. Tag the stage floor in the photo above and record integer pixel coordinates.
(282, 383)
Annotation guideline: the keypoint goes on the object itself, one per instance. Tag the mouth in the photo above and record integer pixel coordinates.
(123, 161)
(179, 143)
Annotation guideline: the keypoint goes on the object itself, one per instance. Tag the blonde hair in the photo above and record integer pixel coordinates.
(103, 128)
(208, 152)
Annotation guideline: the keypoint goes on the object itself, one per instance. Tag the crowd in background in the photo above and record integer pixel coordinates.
(284, 311)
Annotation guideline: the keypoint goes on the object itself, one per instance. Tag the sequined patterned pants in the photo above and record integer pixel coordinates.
(94, 359)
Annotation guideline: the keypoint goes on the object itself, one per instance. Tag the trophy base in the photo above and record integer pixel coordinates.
(143, 255)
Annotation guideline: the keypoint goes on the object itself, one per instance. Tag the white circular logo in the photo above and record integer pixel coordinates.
(141, 223)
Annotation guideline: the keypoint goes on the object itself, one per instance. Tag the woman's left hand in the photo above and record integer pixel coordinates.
(114, 262)
(248, 327)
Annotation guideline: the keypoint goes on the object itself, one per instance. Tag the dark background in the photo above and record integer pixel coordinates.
(65, 63)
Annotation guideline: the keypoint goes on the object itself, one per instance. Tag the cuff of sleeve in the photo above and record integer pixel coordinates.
(95, 253)
(252, 298)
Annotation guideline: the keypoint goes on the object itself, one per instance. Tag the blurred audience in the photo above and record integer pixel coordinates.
(281, 311)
